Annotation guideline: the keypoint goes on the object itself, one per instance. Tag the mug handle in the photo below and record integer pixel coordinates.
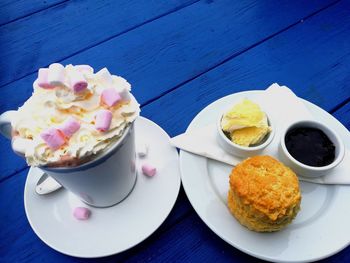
(5, 123)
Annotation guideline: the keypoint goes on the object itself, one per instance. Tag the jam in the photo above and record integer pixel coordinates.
(310, 146)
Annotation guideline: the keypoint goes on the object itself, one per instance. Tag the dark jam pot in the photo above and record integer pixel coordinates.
(310, 146)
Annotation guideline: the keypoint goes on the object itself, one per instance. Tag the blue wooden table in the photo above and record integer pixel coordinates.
(179, 56)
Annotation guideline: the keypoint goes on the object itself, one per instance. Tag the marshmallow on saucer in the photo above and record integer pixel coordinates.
(103, 120)
(53, 138)
(110, 97)
(69, 127)
(56, 74)
(81, 213)
(142, 150)
(148, 170)
(43, 79)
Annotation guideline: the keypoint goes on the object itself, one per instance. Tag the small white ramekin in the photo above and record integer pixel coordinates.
(307, 170)
(238, 150)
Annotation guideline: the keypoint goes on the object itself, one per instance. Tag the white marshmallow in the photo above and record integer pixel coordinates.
(56, 75)
(105, 77)
(85, 69)
(20, 145)
(125, 94)
(142, 150)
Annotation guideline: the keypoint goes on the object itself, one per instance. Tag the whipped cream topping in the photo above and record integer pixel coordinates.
(51, 107)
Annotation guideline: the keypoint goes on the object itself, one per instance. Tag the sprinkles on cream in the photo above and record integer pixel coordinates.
(73, 113)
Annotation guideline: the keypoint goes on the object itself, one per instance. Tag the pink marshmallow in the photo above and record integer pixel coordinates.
(56, 74)
(85, 68)
(69, 127)
(148, 170)
(77, 81)
(81, 213)
(53, 138)
(110, 97)
(103, 120)
(43, 79)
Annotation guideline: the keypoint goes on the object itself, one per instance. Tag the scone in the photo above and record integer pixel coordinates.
(264, 194)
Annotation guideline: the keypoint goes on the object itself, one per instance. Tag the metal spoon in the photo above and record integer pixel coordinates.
(46, 185)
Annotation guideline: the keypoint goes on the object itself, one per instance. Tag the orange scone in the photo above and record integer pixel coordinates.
(264, 194)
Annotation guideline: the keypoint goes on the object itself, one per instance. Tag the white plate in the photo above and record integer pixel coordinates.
(115, 229)
(321, 229)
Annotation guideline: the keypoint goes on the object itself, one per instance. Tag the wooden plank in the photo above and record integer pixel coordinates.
(256, 69)
(343, 114)
(170, 243)
(10, 162)
(232, 24)
(185, 240)
(65, 29)
(189, 241)
(202, 245)
(182, 238)
(192, 241)
(169, 51)
(12, 10)
(311, 58)
(184, 245)
(19, 242)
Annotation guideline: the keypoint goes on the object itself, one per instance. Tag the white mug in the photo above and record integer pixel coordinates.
(102, 182)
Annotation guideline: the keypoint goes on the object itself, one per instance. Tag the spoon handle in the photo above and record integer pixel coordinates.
(46, 185)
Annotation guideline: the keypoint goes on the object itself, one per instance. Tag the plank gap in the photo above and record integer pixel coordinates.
(13, 174)
(238, 54)
(32, 13)
(340, 105)
(107, 39)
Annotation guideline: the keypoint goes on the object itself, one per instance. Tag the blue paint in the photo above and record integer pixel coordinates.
(180, 56)
(11, 11)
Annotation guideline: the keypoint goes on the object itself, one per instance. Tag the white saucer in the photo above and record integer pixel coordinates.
(321, 228)
(115, 229)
